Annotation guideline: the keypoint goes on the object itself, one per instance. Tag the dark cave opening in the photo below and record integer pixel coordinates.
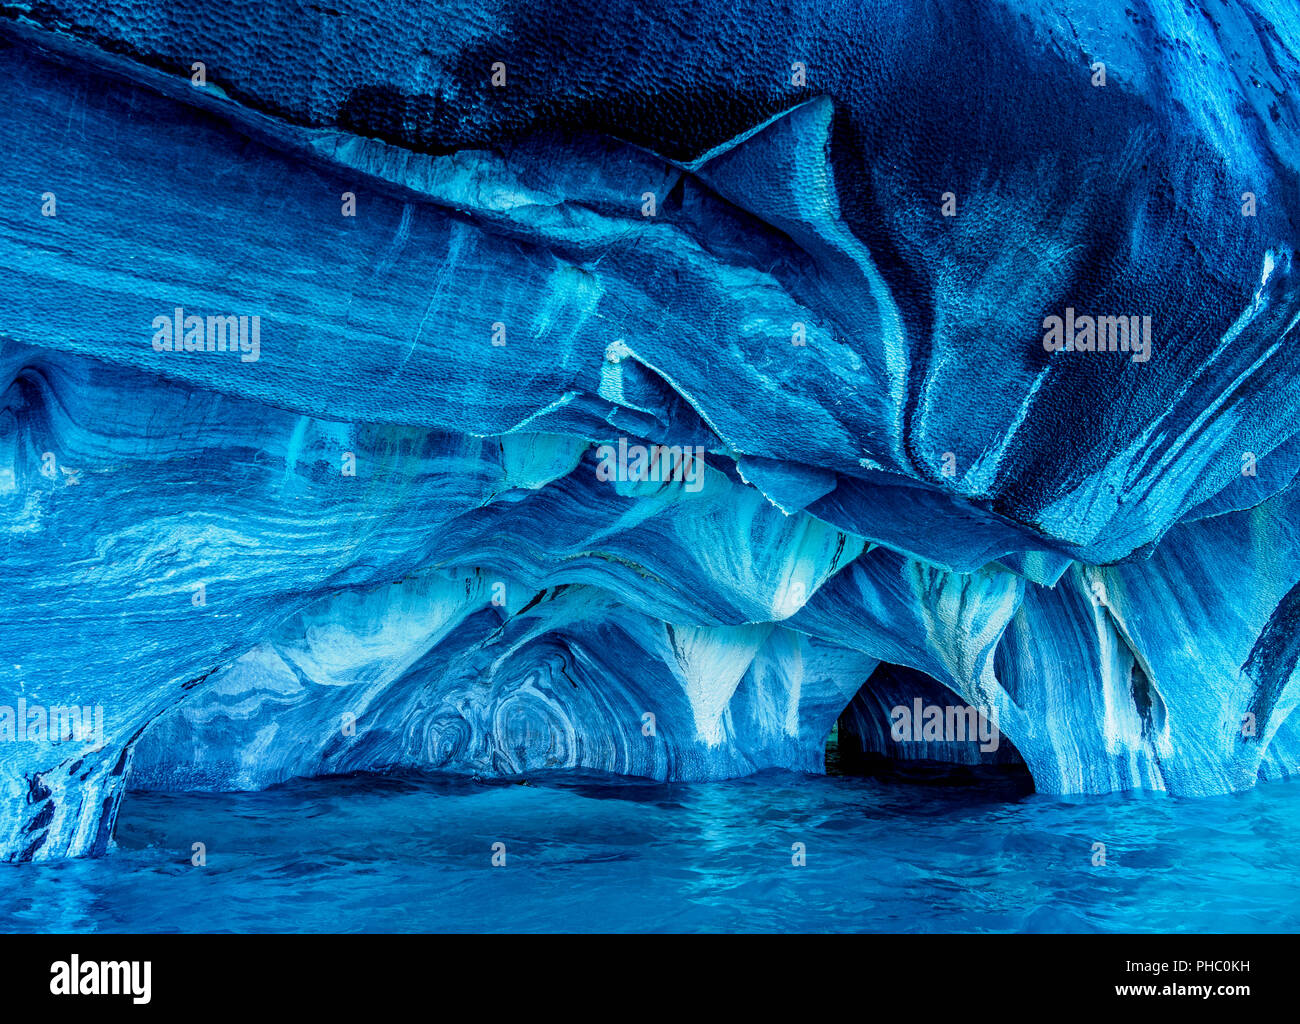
(905, 726)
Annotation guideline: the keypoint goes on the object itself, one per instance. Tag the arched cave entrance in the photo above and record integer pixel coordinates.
(905, 726)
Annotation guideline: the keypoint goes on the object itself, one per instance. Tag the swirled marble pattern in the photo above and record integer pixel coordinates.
(390, 539)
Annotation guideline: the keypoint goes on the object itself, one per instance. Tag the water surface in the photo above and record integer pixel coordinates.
(911, 852)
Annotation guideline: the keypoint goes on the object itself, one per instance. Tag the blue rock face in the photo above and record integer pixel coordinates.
(492, 388)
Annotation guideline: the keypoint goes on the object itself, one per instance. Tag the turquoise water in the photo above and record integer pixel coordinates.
(915, 852)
